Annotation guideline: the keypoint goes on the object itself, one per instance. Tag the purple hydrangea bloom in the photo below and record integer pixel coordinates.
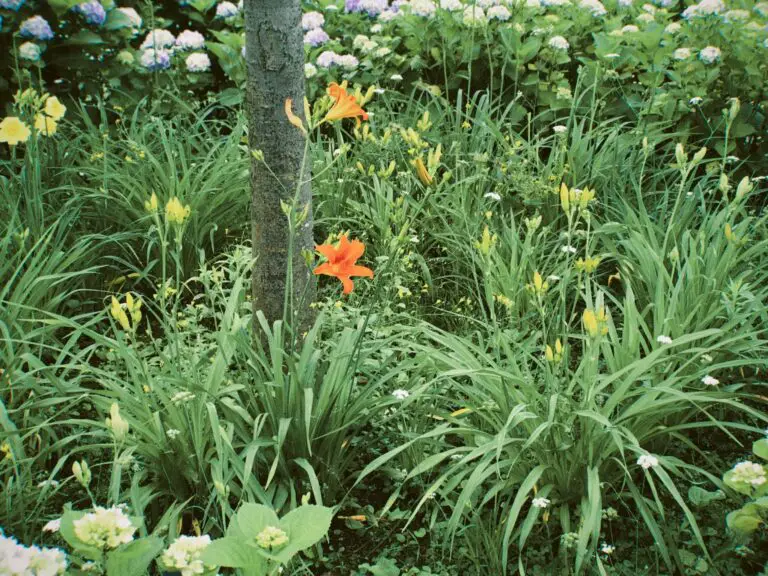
(374, 7)
(153, 59)
(11, 4)
(93, 12)
(36, 27)
(312, 20)
(327, 59)
(349, 5)
(316, 37)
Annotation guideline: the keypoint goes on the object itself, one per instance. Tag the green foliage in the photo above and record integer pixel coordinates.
(257, 540)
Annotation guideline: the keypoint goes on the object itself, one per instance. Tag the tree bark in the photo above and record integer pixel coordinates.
(275, 63)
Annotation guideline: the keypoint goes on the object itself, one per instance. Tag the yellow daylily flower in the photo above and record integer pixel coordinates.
(54, 108)
(45, 125)
(175, 212)
(13, 131)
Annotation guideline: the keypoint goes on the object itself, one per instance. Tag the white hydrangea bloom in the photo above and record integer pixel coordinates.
(451, 5)
(710, 54)
(423, 8)
(673, 28)
(501, 13)
(540, 502)
(682, 54)
(104, 527)
(473, 16)
(158, 38)
(594, 6)
(749, 473)
(183, 555)
(309, 70)
(704, 8)
(312, 20)
(558, 43)
(190, 40)
(132, 15)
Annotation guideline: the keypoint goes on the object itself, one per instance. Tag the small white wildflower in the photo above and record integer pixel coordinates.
(707, 358)
(401, 394)
(647, 461)
(540, 502)
(310, 70)
(559, 129)
(696, 100)
(492, 196)
(396, 77)
(607, 549)
(568, 249)
(710, 380)
(172, 433)
(52, 525)
(664, 339)
(48, 484)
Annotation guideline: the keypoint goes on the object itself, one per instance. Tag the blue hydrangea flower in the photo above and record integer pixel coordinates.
(30, 51)
(226, 10)
(153, 59)
(350, 6)
(316, 37)
(93, 12)
(36, 27)
(11, 4)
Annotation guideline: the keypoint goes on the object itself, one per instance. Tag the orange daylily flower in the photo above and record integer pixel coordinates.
(346, 105)
(292, 118)
(341, 261)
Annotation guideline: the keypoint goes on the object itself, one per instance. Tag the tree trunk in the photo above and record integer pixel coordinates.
(275, 61)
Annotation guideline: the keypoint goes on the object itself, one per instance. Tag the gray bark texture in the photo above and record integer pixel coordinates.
(275, 61)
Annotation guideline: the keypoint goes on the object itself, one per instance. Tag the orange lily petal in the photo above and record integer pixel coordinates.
(324, 268)
(292, 118)
(360, 271)
(347, 284)
(327, 250)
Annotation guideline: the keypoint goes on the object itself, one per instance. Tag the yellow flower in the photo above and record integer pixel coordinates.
(589, 265)
(54, 108)
(117, 312)
(422, 172)
(555, 355)
(13, 131)
(5, 448)
(175, 212)
(728, 233)
(539, 287)
(595, 322)
(151, 204)
(564, 198)
(486, 243)
(117, 424)
(45, 125)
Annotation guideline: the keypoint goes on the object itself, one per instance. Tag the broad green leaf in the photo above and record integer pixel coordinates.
(253, 518)
(134, 558)
(67, 531)
(232, 553)
(305, 526)
(760, 448)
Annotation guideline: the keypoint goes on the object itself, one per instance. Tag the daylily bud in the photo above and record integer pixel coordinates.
(699, 156)
(723, 184)
(117, 424)
(82, 473)
(744, 187)
(680, 154)
(733, 112)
